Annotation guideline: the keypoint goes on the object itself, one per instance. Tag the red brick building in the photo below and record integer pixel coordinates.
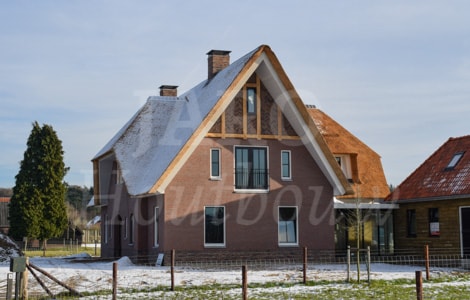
(236, 164)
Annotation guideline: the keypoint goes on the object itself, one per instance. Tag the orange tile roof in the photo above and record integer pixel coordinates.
(4, 199)
(433, 178)
(368, 179)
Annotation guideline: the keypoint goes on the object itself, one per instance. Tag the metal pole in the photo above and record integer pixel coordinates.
(348, 258)
(305, 265)
(368, 264)
(172, 269)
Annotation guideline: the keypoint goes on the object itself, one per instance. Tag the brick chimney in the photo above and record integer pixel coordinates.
(168, 90)
(216, 61)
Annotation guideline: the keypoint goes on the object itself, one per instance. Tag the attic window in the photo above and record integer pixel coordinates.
(251, 100)
(455, 160)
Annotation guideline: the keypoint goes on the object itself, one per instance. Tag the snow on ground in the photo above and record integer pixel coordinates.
(88, 276)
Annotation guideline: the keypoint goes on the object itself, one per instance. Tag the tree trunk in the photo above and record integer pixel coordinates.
(358, 244)
(44, 247)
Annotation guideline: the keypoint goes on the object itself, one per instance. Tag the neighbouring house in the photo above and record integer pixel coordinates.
(4, 215)
(435, 202)
(365, 206)
(234, 165)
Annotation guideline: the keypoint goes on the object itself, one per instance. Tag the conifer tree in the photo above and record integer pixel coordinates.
(37, 207)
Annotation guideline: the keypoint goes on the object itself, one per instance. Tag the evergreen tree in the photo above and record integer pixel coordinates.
(37, 207)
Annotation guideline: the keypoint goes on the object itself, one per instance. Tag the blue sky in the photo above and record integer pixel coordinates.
(394, 73)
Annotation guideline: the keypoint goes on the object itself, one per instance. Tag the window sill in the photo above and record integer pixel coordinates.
(247, 191)
(286, 179)
(288, 245)
(214, 246)
(215, 178)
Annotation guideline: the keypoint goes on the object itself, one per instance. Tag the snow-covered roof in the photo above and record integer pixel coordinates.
(93, 221)
(149, 142)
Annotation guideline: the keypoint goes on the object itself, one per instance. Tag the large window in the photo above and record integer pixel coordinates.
(214, 226)
(215, 163)
(285, 165)
(251, 168)
(287, 226)
(411, 222)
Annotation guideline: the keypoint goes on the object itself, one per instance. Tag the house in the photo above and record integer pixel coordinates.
(363, 169)
(234, 165)
(435, 202)
(4, 215)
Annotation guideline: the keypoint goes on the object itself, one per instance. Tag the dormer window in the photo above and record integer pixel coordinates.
(455, 160)
(344, 162)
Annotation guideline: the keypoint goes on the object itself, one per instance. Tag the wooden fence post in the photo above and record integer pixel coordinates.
(172, 269)
(426, 259)
(419, 286)
(305, 265)
(244, 283)
(115, 270)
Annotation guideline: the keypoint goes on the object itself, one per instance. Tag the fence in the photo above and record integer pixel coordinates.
(105, 277)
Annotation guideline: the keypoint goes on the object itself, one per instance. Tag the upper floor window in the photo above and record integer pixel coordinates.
(251, 100)
(118, 176)
(251, 168)
(286, 164)
(215, 163)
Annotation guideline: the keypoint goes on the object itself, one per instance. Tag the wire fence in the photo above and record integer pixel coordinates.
(97, 277)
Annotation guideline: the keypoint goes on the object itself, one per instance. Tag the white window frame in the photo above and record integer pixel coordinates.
(215, 245)
(212, 176)
(106, 229)
(131, 229)
(289, 165)
(156, 219)
(118, 175)
(288, 244)
(126, 227)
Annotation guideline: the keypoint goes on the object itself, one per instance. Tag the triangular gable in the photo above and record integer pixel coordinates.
(153, 146)
(267, 67)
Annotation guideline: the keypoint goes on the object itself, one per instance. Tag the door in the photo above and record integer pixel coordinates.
(465, 230)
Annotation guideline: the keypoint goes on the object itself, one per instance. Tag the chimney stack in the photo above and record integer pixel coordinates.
(216, 61)
(168, 90)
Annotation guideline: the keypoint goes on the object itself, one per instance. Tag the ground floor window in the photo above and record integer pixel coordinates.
(411, 222)
(214, 226)
(287, 226)
(155, 233)
(434, 222)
